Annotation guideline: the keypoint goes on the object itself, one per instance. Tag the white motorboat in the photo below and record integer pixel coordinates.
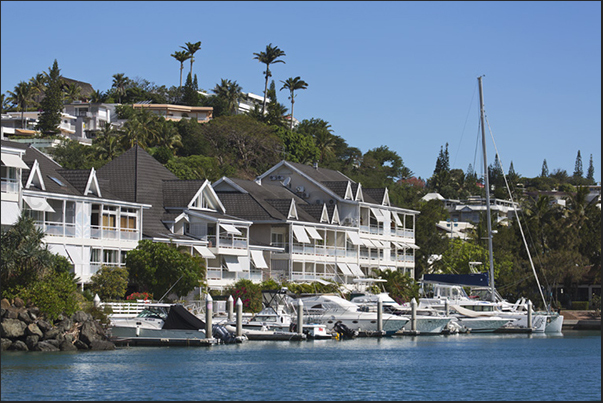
(328, 310)
(172, 324)
(428, 321)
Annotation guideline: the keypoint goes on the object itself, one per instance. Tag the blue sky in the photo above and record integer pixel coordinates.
(395, 74)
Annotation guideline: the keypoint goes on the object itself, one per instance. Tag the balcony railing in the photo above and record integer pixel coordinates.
(10, 185)
(57, 228)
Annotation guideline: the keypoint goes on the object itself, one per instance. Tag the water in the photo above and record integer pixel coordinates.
(457, 367)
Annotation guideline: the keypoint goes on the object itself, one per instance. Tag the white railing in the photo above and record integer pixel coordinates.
(125, 309)
(10, 185)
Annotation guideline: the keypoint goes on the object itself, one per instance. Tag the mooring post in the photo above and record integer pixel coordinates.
(446, 307)
(239, 317)
(230, 307)
(300, 316)
(413, 315)
(209, 307)
(529, 314)
(380, 316)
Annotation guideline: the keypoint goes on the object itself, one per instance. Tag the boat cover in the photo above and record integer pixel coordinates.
(179, 318)
(472, 279)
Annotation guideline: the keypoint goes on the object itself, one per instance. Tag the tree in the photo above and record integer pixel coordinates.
(591, 171)
(324, 139)
(190, 96)
(269, 56)
(71, 154)
(120, 82)
(545, 170)
(191, 48)
(578, 167)
(109, 283)
(21, 96)
(72, 93)
(293, 84)
(159, 267)
(230, 92)
(52, 104)
(181, 56)
(441, 173)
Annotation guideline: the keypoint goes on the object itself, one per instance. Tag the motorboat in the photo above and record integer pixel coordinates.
(327, 310)
(428, 321)
(166, 324)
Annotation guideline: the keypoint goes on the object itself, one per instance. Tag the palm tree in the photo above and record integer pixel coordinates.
(119, 83)
(72, 93)
(38, 83)
(268, 57)
(20, 97)
(293, 84)
(230, 92)
(97, 96)
(191, 49)
(181, 56)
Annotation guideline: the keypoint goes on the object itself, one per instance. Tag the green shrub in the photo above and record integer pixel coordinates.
(109, 283)
(580, 305)
(55, 295)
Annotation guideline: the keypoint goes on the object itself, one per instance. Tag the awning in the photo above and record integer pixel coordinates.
(74, 253)
(59, 250)
(258, 259)
(355, 238)
(10, 213)
(232, 263)
(38, 204)
(313, 233)
(378, 214)
(204, 251)
(400, 245)
(377, 243)
(367, 243)
(356, 269)
(397, 219)
(231, 229)
(412, 246)
(13, 161)
(385, 244)
(300, 234)
(344, 269)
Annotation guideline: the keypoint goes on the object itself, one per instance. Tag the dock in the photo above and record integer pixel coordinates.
(581, 320)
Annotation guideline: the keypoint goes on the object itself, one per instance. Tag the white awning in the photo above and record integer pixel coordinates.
(412, 245)
(355, 238)
(74, 254)
(231, 229)
(367, 243)
(204, 251)
(397, 219)
(378, 214)
(300, 234)
(344, 269)
(232, 263)
(400, 245)
(377, 243)
(356, 269)
(10, 213)
(258, 259)
(385, 244)
(59, 250)
(13, 161)
(313, 233)
(38, 204)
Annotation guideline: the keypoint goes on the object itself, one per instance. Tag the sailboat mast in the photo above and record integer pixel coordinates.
(487, 187)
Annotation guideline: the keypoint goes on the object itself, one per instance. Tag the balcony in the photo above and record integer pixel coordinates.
(10, 185)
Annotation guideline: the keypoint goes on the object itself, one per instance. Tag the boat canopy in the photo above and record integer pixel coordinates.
(472, 279)
(181, 319)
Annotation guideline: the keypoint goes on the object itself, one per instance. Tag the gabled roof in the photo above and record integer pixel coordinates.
(179, 193)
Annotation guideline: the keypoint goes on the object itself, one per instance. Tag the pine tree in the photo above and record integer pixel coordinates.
(52, 104)
(190, 96)
(545, 170)
(591, 171)
(578, 168)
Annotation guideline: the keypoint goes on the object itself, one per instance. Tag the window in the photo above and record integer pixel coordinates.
(10, 184)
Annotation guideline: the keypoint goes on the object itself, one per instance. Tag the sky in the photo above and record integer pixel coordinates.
(398, 74)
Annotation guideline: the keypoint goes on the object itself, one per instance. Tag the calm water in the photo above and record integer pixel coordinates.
(458, 367)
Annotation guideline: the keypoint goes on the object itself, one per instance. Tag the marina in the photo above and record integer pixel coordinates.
(484, 367)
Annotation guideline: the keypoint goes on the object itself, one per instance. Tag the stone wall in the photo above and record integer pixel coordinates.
(24, 329)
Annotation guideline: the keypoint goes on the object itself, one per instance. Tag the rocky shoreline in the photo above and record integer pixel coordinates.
(23, 329)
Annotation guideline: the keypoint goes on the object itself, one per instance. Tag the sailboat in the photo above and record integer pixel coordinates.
(493, 304)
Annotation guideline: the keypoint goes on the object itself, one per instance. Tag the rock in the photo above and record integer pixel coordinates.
(33, 329)
(53, 342)
(11, 313)
(51, 333)
(67, 346)
(65, 324)
(80, 345)
(102, 345)
(31, 341)
(81, 316)
(46, 346)
(4, 304)
(12, 328)
(24, 317)
(19, 346)
(89, 333)
(6, 343)
(19, 303)
(43, 325)
(34, 312)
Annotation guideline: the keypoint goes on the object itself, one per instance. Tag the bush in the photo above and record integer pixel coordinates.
(55, 295)
(250, 294)
(580, 305)
(109, 283)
